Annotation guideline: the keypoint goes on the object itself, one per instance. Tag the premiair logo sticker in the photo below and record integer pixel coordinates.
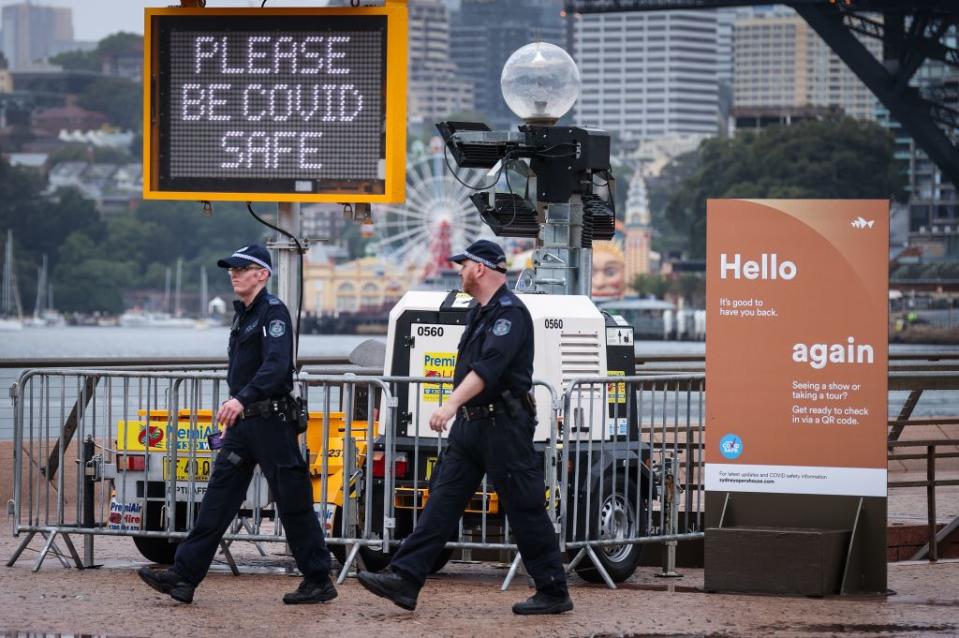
(501, 327)
(277, 328)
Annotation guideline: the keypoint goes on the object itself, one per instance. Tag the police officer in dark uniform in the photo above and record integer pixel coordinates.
(493, 435)
(258, 422)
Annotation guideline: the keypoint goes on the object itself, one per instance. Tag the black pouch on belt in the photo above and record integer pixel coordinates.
(513, 405)
(301, 414)
(529, 404)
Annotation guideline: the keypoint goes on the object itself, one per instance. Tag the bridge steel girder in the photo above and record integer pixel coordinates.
(835, 23)
(941, 7)
(906, 106)
(616, 6)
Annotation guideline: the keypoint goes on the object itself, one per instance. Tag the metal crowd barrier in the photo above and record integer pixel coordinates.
(93, 455)
(482, 527)
(639, 479)
(124, 453)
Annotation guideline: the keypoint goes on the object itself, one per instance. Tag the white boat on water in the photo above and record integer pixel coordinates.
(46, 319)
(10, 323)
(141, 319)
(138, 318)
(44, 316)
(164, 320)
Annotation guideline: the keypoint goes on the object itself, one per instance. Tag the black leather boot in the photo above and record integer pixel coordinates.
(311, 591)
(167, 581)
(541, 603)
(391, 586)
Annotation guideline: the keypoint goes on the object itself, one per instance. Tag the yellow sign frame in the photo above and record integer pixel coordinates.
(397, 25)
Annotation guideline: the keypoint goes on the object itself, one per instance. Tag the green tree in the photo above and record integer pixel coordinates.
(120, 99)
(691, 287)
(88, 280)
(120, 43)
(646, 284)
(179, 229)
(667, 239)
(39, 223)
(111, 46)
(128, 236)
(830, 159)
(77, 60)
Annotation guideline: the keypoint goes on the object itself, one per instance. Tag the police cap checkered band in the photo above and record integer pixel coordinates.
(485, 252)
(254, 254)
(485, 262)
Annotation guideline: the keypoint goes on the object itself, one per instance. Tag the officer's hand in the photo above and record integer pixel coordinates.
(441, 417)
(228, 413)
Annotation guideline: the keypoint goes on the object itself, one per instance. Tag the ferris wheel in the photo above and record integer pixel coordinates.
(437, 211)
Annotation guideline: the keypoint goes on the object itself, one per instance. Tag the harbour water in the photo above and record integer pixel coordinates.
(81, 341)
(76, 342)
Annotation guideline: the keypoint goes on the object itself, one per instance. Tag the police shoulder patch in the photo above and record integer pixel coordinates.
(277, 328)
(501, 327)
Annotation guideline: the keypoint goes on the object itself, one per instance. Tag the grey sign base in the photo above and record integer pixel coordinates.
(798, 544)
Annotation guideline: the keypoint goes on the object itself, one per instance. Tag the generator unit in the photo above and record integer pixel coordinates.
(571, 339)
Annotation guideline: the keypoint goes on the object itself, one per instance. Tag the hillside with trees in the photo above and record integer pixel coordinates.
(831, 159)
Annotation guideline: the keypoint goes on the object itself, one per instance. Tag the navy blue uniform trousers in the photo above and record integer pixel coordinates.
(502, 448)
(273, 445)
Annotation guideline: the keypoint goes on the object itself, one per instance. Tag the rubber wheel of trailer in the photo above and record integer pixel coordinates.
(614, 517)
(159, 550)
(377, 561)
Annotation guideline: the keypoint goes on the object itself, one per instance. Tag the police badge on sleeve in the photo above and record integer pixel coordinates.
(277, 328)
(501, 327)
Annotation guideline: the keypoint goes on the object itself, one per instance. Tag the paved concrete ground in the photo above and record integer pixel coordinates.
(464, 600)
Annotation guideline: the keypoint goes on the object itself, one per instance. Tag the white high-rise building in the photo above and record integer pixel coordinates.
(781, 62)
(33, 32)
(435, 90)
(648, 74)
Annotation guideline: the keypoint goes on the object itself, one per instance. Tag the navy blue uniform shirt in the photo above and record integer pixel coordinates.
(261, 350)
(498, 346)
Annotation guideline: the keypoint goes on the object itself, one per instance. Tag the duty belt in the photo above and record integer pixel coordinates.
(265, 408)
(476, 412)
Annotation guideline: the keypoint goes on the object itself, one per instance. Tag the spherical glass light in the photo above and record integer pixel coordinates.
(540, 83)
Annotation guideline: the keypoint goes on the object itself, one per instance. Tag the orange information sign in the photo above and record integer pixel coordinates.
(797, 346)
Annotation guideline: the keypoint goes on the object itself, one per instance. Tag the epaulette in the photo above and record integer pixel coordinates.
(273, 301)
(506, 301)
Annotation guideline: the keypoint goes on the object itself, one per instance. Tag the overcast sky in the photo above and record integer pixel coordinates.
(94, 19)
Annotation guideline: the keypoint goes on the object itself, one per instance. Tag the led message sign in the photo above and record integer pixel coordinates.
(278, 105)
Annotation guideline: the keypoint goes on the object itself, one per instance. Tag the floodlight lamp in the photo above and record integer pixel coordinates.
(540, 83)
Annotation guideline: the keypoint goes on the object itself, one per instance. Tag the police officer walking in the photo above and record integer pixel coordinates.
(492, 434)
(258, 429)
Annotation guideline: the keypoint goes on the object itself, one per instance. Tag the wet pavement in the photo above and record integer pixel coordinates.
(463, 600)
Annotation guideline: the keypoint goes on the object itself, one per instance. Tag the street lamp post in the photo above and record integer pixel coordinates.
(540, 83)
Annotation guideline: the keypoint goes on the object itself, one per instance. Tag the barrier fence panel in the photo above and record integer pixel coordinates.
(126, 453)
(397, 489)
(350, 452)
(633, 453)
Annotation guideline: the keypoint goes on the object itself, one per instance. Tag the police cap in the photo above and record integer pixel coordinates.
(483, 251)
(252, 255)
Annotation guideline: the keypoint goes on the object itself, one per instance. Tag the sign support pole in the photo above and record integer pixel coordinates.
(287, 263)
